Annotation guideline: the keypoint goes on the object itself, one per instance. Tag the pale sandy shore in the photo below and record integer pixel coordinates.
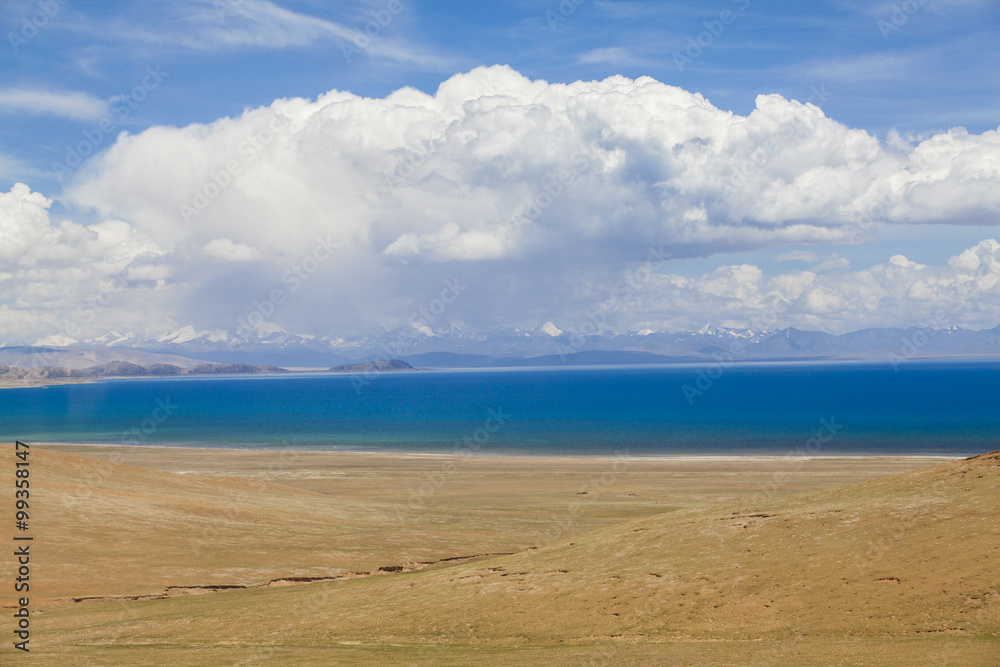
(255, 462)
(47, 382)
(513, 490)
(153, 452)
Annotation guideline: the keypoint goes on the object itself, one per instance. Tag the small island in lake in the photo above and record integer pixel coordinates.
(375, 366)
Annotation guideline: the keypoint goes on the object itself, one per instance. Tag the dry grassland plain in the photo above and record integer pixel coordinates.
(173, 556)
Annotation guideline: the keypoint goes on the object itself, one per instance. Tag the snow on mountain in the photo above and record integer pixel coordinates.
(723, 332)
(272, 344)
(114, 339)
(54, 341)
(183, 335)
(217, 336)
(424, 329)
(550, 329)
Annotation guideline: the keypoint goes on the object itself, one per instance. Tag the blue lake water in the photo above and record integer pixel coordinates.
(921, 408)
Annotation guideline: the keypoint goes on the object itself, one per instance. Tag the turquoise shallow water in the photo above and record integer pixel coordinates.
(921, 408)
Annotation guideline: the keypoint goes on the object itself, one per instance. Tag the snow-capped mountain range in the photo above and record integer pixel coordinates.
(450, 346)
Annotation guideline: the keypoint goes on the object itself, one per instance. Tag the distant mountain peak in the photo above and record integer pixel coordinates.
(423, 328)
(550, 329)
(182, 335)
(273, 344)
(724, 332)
(114, 339)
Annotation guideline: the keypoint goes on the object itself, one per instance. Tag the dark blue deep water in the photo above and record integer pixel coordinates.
(920, 408)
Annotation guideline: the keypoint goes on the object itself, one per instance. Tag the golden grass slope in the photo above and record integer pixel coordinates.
(244, 518)
(901, 570)
(108, 529)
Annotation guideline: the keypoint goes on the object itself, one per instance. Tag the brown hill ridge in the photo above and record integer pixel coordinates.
(120, 369)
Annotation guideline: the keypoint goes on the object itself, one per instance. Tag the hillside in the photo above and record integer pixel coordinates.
(899, 570)
(79, 357)
(15, 376)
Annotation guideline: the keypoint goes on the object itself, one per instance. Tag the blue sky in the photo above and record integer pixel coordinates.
(914, 69)
(918, 72)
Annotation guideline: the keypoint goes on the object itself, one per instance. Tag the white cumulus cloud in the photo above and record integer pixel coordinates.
(228, 251)
(536, 195)
(61, 278)
(898, 292)
(497, 166)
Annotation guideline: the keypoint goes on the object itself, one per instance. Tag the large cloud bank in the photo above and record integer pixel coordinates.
(538, 196)
(497, 166)
(64, 279)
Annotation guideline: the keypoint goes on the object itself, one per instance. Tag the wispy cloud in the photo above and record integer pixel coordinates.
(865, 67)
(886, 8)
(11, 167)
(253, 23)
(798, 256)
(62, 104)
(228, 25)
(229, 251)
(628, 9)
(614, 55)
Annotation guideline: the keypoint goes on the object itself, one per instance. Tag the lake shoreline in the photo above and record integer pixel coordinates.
(73, 447)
